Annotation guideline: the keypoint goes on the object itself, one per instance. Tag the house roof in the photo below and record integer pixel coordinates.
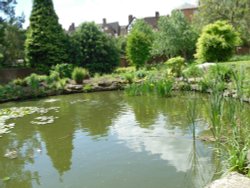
(151, 21)
(186, 6)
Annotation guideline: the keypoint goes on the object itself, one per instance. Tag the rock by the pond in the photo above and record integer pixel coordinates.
(73, 88)
(205, 66)
(232, 180)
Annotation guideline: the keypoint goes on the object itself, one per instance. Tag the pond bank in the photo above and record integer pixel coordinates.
(232, 180)
(91, 85)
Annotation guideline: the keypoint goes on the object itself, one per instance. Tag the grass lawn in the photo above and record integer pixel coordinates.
(238, 65)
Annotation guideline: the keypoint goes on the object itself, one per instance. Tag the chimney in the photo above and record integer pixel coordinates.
(104, 21)
(72, 27)
(130, 18)
(157, 14)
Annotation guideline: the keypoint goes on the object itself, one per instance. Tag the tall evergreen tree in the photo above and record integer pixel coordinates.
(45, 43)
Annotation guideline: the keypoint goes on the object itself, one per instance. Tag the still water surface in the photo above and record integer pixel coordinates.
(108, 140)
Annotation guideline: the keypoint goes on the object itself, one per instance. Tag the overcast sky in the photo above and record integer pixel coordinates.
(79, 11)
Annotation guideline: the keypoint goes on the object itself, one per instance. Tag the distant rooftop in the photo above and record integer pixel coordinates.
(186, 6)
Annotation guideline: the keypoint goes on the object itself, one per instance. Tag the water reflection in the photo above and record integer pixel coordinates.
(100, 131)
(170, 145)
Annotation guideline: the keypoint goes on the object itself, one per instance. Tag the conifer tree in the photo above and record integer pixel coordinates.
(45, 43)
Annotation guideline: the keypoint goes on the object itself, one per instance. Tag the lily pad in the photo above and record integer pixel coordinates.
(11, 154)
(18, 112)
(51, 100)
(43, 120)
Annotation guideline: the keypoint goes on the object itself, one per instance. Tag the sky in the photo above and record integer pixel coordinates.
(79, 11)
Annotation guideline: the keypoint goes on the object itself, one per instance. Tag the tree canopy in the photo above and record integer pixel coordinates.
(45, 43)
(11, 34)
(139, 43)
(98, 51)
(217, 42)
(235, 12)
(175, 37)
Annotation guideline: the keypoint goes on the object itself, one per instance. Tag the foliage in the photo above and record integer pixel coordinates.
(33, 81)
(121, 43)
(235, 12)
(141, 26)
(99, 52)
(176, 65)
(129, 77)
(221, 73)
(175, 37)
(13, 45)
(19, 82)
(79, 74)
(193, 71)
(138, 48)
(64, 70)
(121, 70)
(45, 44)
(217, 42)
(74, 50)
(11, 36)
(162, 88)
(239, 58)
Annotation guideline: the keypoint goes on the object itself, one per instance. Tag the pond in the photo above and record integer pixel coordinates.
(107, 140)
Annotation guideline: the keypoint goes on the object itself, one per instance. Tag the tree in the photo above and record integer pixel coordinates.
(217, 42)
(45, 43)
(138, 48)
(141, 26)
(235, 12)
(175, 37)
(99, 52)
(11, 34)
(139, 43)
(13, 44)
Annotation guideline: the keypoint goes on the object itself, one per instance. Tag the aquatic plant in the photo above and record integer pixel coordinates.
(161, 88)
(164, 88)
(15, 112)
(79, 74)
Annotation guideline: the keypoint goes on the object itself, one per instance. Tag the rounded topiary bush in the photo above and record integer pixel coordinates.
(217, 42)
(79, 74)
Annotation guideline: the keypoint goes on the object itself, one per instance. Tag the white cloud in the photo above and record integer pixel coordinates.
(79, 11)
(170, 145)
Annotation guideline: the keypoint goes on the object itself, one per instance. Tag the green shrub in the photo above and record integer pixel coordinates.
(138, 49)
(33, 81)
(193, 71)
(164, 88)
(220, 72)
(141, 73)
(19, 82)
(53, 77)
(217, 42)
(176, 65)
(129, 77)
(87, 88)
(98, 51)
(79, 74)
(64, 70)
(121, 70)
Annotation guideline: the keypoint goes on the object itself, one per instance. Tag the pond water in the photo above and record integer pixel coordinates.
(108, 140)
